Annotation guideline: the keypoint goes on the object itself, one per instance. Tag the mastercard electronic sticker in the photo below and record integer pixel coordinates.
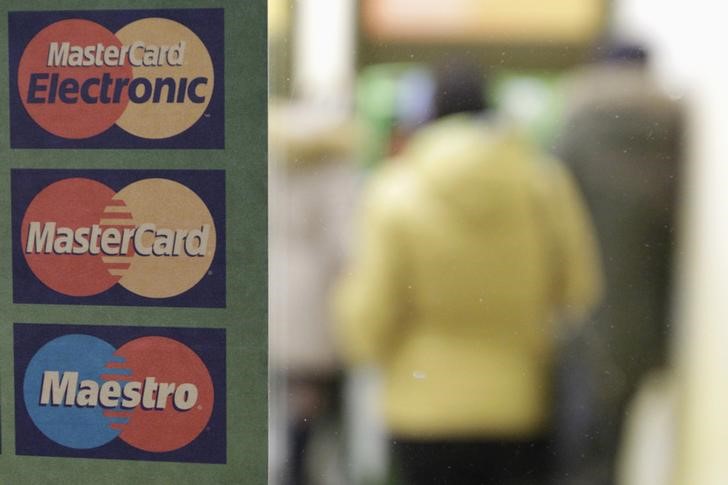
(117, 79)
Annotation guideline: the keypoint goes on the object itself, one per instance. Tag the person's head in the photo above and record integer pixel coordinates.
(459, 88)
(621, 51)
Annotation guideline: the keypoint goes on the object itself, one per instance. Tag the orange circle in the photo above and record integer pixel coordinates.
(67, 205)
(70, 101)
(161, 430)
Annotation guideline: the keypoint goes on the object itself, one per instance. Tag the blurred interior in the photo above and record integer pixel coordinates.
(351, 81)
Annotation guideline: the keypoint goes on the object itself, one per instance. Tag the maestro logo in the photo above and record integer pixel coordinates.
(146, 396)
(151, 79)
(155, 237)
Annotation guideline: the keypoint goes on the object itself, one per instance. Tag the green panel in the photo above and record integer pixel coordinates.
(245, 317)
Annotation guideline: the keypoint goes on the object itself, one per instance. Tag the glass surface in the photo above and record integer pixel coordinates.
(497, 242)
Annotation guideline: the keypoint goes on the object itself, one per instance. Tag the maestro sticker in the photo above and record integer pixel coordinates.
(119, 392)
(125, 79)
(119, 237)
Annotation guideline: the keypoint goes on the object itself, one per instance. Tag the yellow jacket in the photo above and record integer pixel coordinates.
(472, 242)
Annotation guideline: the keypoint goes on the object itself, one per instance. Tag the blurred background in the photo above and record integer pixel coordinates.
(628, 98)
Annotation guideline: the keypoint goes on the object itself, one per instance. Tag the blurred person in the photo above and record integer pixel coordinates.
(314, 183)
(473, 241)
(622, 141)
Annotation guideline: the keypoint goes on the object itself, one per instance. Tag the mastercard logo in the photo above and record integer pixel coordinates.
(155, 237)
(153, 78)
(133, 393)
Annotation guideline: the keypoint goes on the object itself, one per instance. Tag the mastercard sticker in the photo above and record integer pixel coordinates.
(117, 79)
(119, 237)
(120, 392)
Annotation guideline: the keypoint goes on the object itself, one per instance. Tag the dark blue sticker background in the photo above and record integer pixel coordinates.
(208, 132)
(209, 185)
(209, 344)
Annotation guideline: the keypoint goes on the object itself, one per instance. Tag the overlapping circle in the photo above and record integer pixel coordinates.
(164, 102)
(158, 362)
(155, 237)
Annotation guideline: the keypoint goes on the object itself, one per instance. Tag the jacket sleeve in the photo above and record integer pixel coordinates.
(579, 280)
(369, 302)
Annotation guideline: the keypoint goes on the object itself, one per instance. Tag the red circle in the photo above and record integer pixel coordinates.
(70, 120)
(70, 203)
(167, 361)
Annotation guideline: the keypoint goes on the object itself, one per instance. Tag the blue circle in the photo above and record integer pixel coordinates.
(70, 425)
